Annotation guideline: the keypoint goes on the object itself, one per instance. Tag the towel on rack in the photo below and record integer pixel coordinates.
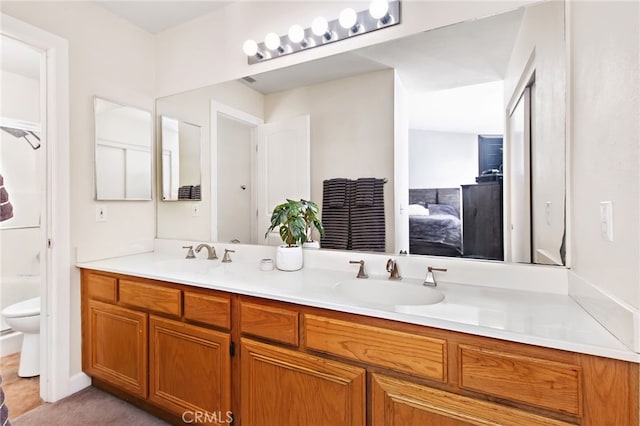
(196, 193)
(335, 213)
(184, 192)
(364, 191)
(367, 221)
(334, 192)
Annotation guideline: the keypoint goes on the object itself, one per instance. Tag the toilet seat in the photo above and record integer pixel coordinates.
(26, 308)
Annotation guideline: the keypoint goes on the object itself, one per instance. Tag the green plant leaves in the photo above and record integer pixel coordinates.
(295, 220)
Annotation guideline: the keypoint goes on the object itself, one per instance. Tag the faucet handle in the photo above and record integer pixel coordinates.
(392, 269)
(227, 257)
(430, 279)
(431, 269)
(190, 253)
(361, 272)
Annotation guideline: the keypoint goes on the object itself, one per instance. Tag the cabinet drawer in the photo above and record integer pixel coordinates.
(278, 324)
(539, 382)
(101, 287)
(152, 297)
(409, 353)
(214, 310)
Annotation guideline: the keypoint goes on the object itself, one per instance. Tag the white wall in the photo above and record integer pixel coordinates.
(217, 38)
(175, 219)
(352, 131)
(540, 46)
(108, 57)
(605, 139)
(442, 159)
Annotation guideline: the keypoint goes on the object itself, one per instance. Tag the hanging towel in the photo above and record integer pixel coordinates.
(196, 192)
(4, 410)
(6, 209)
(367, 221)
(334, 192)
(364, 191)
(184, 192)
(335, 213)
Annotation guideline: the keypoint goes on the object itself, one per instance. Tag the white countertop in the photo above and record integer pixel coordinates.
(548, 320)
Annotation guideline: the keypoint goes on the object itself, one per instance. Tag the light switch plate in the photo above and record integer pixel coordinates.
(606, 220)
(101, 213)
(195, 210)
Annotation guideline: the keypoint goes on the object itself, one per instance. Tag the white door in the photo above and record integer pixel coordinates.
(283, 169)
(519, 181)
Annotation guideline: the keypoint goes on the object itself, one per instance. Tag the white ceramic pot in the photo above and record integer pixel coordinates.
(311, 244)
(289, 258)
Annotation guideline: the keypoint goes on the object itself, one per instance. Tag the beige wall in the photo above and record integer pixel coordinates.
(111, 58)
(214, 41)
(352, 130)
(604, 160)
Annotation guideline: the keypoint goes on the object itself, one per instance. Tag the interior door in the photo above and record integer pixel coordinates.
(283, 169)
(520, 184)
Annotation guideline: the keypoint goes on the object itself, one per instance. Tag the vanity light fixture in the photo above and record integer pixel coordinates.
(320, 27)
(348, 20)
(380, 14)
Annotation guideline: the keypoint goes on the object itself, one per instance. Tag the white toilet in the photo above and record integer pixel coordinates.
(25, 317)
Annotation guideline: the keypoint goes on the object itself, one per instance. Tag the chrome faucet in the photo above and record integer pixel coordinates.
(227, 257)
(430, 279)
(211, 252)
(361, 272)
(190, 254)
(392, 269)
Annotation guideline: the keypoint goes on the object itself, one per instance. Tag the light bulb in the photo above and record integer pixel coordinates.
(296, 33)
(379, 9)
(319, 26)
(348, 18)
(250, 48)
(272, 41)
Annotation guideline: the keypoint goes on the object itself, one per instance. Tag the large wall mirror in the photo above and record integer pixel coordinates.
(465, 123)
(123, 140)
(181, 157)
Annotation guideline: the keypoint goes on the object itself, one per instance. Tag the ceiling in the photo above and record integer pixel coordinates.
(157, 16)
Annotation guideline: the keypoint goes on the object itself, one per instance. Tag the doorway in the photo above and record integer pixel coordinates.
(59, 375)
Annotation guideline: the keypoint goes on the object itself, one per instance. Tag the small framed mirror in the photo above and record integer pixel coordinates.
(181, 158)
(123, 157)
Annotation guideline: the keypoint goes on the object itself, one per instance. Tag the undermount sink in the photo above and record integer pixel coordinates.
(374, 292)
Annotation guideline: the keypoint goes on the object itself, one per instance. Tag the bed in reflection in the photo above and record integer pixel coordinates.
(435, 227)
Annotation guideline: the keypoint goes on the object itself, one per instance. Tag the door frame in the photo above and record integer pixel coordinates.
(217, 109)
(58, 347)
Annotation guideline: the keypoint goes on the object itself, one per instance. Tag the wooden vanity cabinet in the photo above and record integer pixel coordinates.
(137, 339)
(115, 346)
(299, 365)
(280, 386)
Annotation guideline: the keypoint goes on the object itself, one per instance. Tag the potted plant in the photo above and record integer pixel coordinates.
(289, 217)
(312, 221)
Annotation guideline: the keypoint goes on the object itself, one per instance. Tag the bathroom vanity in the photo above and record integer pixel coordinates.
(273, 347)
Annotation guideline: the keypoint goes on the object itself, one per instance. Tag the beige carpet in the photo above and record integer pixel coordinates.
(90, 406)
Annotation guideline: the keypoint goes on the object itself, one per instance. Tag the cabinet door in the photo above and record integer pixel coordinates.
(283, 387)
(189, 369)
(397, 402)
(115, 346)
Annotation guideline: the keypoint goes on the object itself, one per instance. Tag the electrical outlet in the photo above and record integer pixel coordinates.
(195, 210)
(606, 220)
(101, 213)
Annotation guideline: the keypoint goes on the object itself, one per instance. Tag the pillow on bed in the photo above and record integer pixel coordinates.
(442, 209)
(418, 210)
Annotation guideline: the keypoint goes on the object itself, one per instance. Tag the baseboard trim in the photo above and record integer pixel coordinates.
(620, 319)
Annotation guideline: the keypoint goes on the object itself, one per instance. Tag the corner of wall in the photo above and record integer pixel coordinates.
(620, 319)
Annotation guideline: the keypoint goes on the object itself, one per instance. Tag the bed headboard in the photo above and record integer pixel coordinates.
(425, 196)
